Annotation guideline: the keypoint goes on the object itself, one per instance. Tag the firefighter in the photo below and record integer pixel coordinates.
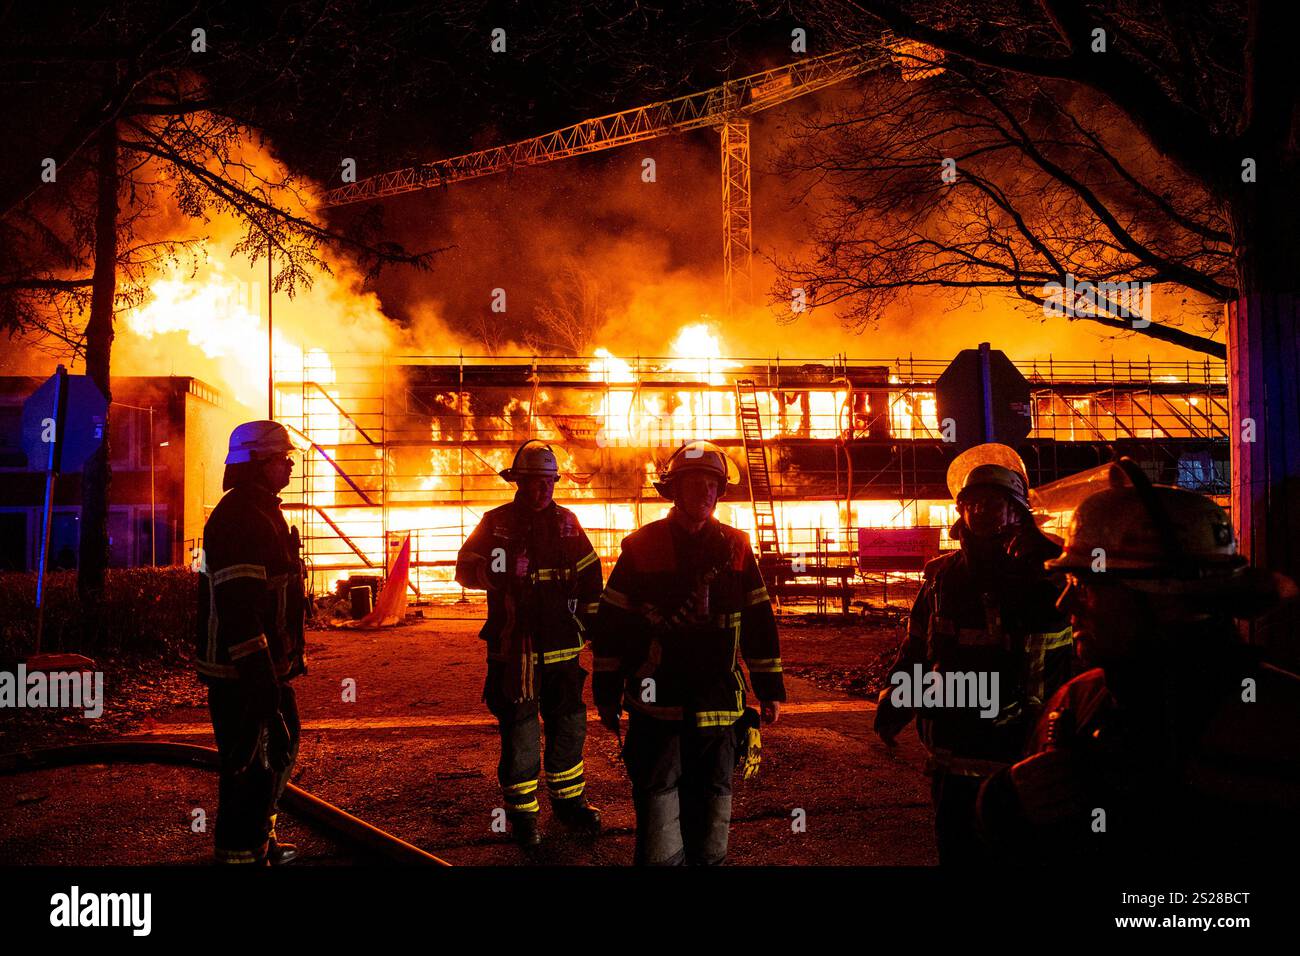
(685, 602)
(250, 642)
(1180, 743)
(543, 581)
(984, 611)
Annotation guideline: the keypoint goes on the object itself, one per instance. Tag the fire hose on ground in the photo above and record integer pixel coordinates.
(295, 799)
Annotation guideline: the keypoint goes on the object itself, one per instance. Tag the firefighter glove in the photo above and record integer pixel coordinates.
(890, 720)
(749, 743)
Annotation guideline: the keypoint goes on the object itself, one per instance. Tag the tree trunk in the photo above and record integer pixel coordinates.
(1264, 322)
(99, 348)
(1264, 390)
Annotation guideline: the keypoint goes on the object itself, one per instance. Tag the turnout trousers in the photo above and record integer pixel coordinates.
(681, 789)
(564, 717)
(955, 828)
(248, 793)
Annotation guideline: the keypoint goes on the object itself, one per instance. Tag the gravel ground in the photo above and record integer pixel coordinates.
(416, 755)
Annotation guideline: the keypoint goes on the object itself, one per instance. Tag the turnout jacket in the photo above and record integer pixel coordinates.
(1191, 763)
(987, 608)
(555, 603)
(681, 610)
(251, 597)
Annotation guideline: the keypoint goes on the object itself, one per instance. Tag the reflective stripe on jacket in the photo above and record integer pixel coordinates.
(678, 616)
(556, 601)
(983, 611)
(250, 587)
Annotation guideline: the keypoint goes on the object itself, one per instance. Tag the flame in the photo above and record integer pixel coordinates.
(217, 313)
(212, 320)
(608, 367)
(220, 315)
(653, 419)
(697, 349)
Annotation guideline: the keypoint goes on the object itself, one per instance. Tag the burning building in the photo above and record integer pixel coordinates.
(400, 445)
(401, 437)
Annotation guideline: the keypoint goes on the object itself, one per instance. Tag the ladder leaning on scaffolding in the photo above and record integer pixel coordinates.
(760, 482)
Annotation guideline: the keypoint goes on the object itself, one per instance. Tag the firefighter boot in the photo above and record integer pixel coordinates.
(525, 830)
(578, 815)
(277, 853)
(281, 854)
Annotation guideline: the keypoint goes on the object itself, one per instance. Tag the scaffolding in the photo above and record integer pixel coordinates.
(398, 445)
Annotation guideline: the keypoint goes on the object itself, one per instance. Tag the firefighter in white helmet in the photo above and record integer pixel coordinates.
(543, 581)
(1180, 744)
(985, 617)
(685, 604)
(250, 642)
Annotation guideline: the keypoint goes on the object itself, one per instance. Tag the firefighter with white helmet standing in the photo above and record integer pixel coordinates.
(685, 604)
(984, 611)
(1180, 743)
(250, 642)
(543, 581)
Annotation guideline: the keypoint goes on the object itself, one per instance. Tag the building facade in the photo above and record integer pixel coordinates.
(167, 437)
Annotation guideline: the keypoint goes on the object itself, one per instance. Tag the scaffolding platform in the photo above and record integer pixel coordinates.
(399, 445)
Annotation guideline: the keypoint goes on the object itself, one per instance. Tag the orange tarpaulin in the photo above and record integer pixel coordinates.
(390, 608)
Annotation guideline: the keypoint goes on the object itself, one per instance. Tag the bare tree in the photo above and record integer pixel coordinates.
(489, 330)
(158, 118)
(1206, 198)
(964, 183)
(568, 321)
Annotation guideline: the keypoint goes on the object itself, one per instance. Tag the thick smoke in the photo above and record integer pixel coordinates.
(654, 251)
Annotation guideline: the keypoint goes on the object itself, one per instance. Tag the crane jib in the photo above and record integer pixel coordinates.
(711, 107)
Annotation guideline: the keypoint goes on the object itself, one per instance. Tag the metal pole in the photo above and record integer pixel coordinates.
(153, 504)
(986, 390)
(51, 471)
(270, 358)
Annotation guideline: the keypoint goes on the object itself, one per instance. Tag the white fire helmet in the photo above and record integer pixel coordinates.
(534, 457)
(990, 465)
(254, 441)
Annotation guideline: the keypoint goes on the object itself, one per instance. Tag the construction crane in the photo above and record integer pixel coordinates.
(726, 108)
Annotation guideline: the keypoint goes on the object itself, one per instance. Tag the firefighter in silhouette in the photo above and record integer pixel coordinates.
(685, 603)
(543, 582)
(250, 642)
(984, 611)
(1180, 744)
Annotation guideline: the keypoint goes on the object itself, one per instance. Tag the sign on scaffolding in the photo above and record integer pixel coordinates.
(897, 549)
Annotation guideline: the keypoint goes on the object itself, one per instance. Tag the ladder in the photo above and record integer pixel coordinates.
(760, 480)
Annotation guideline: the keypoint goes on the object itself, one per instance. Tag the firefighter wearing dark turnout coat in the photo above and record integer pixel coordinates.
(250, 642)
(1179, 745)
(543, 581)
(684, 604)
(986, 610)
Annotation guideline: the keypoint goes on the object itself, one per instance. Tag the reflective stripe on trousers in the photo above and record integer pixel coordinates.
(681, 789)
(564, 718)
